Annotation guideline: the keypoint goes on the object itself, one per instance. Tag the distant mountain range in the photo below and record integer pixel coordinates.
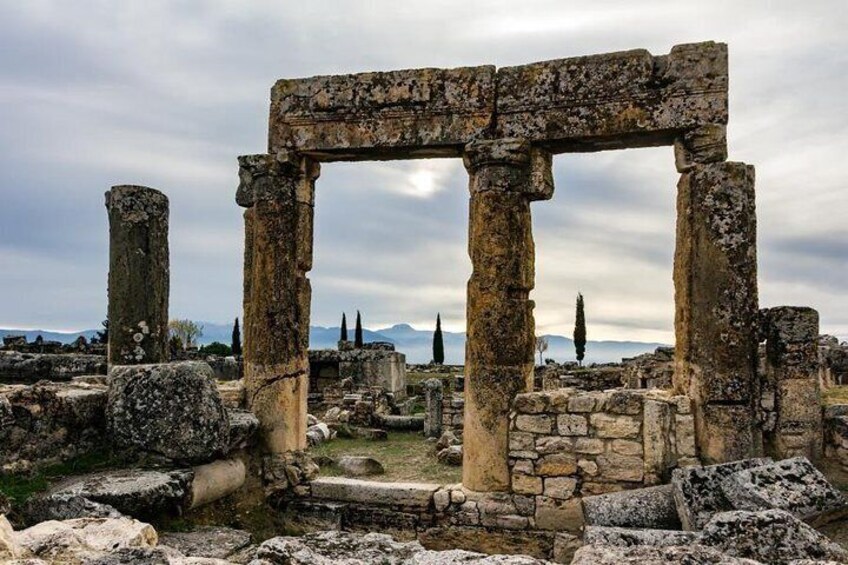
(416, 344)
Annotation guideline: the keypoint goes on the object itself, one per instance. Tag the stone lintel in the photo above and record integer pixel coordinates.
(615, 100)
(578, 102)
(384, 112)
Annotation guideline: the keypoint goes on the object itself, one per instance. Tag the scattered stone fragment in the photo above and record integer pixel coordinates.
(65, 506)
(207, 541)
(626, 537)
(450, 455)
(243, 428)
(651, 507)
(446, 440)
(654, 555)
(698, 494)
(355, 466)
(173, 410)
(134, 492)
(794, 485)
(770, 536)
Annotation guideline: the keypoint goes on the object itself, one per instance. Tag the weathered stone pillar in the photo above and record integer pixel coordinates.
(715, 281)
(505, 175)
(433, 396)
(791, 372)
(139, 275)
(278, 191)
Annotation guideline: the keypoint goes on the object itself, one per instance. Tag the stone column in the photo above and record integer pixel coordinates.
(791, 371)
(433, 396)
(715, 281)
(278, 191)
(139, 275)
(505, 175)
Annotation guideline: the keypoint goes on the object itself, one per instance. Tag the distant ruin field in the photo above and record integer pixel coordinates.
(406, 456)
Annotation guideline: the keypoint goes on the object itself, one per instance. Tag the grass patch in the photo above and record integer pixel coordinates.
(406, 456)
(19, 488)
(835, 395)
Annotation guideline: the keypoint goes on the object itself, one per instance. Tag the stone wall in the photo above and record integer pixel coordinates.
(833, 355)
(17, 367)
(453, 411)
(367, 368)
(50, 422)
(568, 443)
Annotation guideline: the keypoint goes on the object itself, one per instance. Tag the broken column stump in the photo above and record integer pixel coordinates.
(139, 275)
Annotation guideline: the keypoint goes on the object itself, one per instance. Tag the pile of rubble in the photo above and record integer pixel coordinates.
(745, 512)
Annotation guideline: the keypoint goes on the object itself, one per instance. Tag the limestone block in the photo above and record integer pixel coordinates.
(614, 96)
(135, 492)
(589, 446)
(523, 467)
(557, 464)
(560, 487)
(584, 402)
(726, 432)
(627, 537)
(521, 441)
(656, 432)
(539, 424)
(698, 494)
(565, 545)
(441, 500)
(506, 547)
(624, 402)
(651, 508)
(211, 542)
(173, 410)
(587, 467)
(626, 447)
(608, 426)
(526, 484)
(358, 466)
(553, 444)
(769, 536)
(409, 495)
(684, 434)
(572, 425)
(621, 467)
(396, 114)
(654, 555)
(794, 485)
(531, 403)
(559, 515)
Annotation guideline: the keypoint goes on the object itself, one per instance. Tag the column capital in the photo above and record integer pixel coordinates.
(509, 152)
(265, 176)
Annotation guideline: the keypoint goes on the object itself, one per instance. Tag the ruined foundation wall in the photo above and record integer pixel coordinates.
(567, 443)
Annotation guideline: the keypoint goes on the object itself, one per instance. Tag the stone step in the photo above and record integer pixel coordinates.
(417, 496)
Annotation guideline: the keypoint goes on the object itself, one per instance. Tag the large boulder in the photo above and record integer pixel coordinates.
(173, 410)
(794, 485)
(140, 493)
(770, 536)
(357, 466)
(698, 494)
(343, 548)
(651, 508)
(655, 555)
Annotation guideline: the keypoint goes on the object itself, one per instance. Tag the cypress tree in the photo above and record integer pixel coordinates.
(580, 330)
(438, 342)
(343, 335)
(236, 345)
(357, 335)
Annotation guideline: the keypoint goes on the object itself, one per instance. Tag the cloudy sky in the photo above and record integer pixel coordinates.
(167, 94)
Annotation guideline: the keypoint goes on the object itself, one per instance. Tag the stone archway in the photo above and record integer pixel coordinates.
(506, 124)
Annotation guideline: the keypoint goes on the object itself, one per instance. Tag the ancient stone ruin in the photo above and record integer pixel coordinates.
(708, 452)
